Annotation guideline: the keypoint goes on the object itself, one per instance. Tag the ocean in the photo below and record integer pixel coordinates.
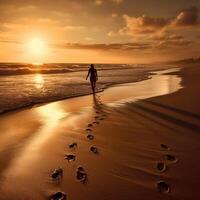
(24, 85)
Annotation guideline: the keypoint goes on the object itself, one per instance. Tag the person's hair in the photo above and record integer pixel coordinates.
(92, 66)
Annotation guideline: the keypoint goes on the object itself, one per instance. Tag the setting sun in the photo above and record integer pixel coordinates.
(36, 50)
(37, 47)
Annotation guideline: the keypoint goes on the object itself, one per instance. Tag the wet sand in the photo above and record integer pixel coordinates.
(133, 141)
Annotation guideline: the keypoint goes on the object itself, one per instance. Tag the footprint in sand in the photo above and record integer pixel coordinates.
(101, 118)
(96, 122)
(57, 173)
(163, 187)
(94, 149)
(164, 146)
(171, 158)
(88, 129)
(90, 137)
(99, 108)
(90, 125)
(70, 157)
(81, 175)
(58, 196)
(161, 166)
(73, 145)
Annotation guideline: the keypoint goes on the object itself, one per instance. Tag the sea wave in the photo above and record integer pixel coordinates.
(52, 68)
(29, 86)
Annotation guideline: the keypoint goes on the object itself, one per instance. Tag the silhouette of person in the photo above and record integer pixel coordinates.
(92, 72)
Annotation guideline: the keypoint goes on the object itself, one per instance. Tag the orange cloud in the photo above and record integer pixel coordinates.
(187, 17)
(149, 25)
(142, 25)
(103, 47)
(100, 2)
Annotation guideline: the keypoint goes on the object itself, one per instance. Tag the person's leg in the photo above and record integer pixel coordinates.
(92, 84)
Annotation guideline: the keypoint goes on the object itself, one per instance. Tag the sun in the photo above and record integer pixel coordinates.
(37, 47)
(36, 50)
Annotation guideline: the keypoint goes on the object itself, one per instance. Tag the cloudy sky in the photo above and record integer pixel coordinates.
(99, 31)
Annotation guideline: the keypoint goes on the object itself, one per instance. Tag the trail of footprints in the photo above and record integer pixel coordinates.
(81, 174)
(163, 186)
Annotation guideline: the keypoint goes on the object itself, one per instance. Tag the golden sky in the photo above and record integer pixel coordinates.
(99, 31)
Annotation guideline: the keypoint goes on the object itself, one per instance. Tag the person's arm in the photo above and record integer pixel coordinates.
(88, 74)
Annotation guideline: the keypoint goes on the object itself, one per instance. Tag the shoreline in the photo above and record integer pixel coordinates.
(133, 140)
(35, 104)
(146, 76)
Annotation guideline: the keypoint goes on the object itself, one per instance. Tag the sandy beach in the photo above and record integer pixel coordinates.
(144, 138)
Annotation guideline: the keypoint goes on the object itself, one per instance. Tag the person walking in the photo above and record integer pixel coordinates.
(92, 72)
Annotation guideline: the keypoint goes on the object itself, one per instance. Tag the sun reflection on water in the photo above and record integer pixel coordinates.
(39, 81)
